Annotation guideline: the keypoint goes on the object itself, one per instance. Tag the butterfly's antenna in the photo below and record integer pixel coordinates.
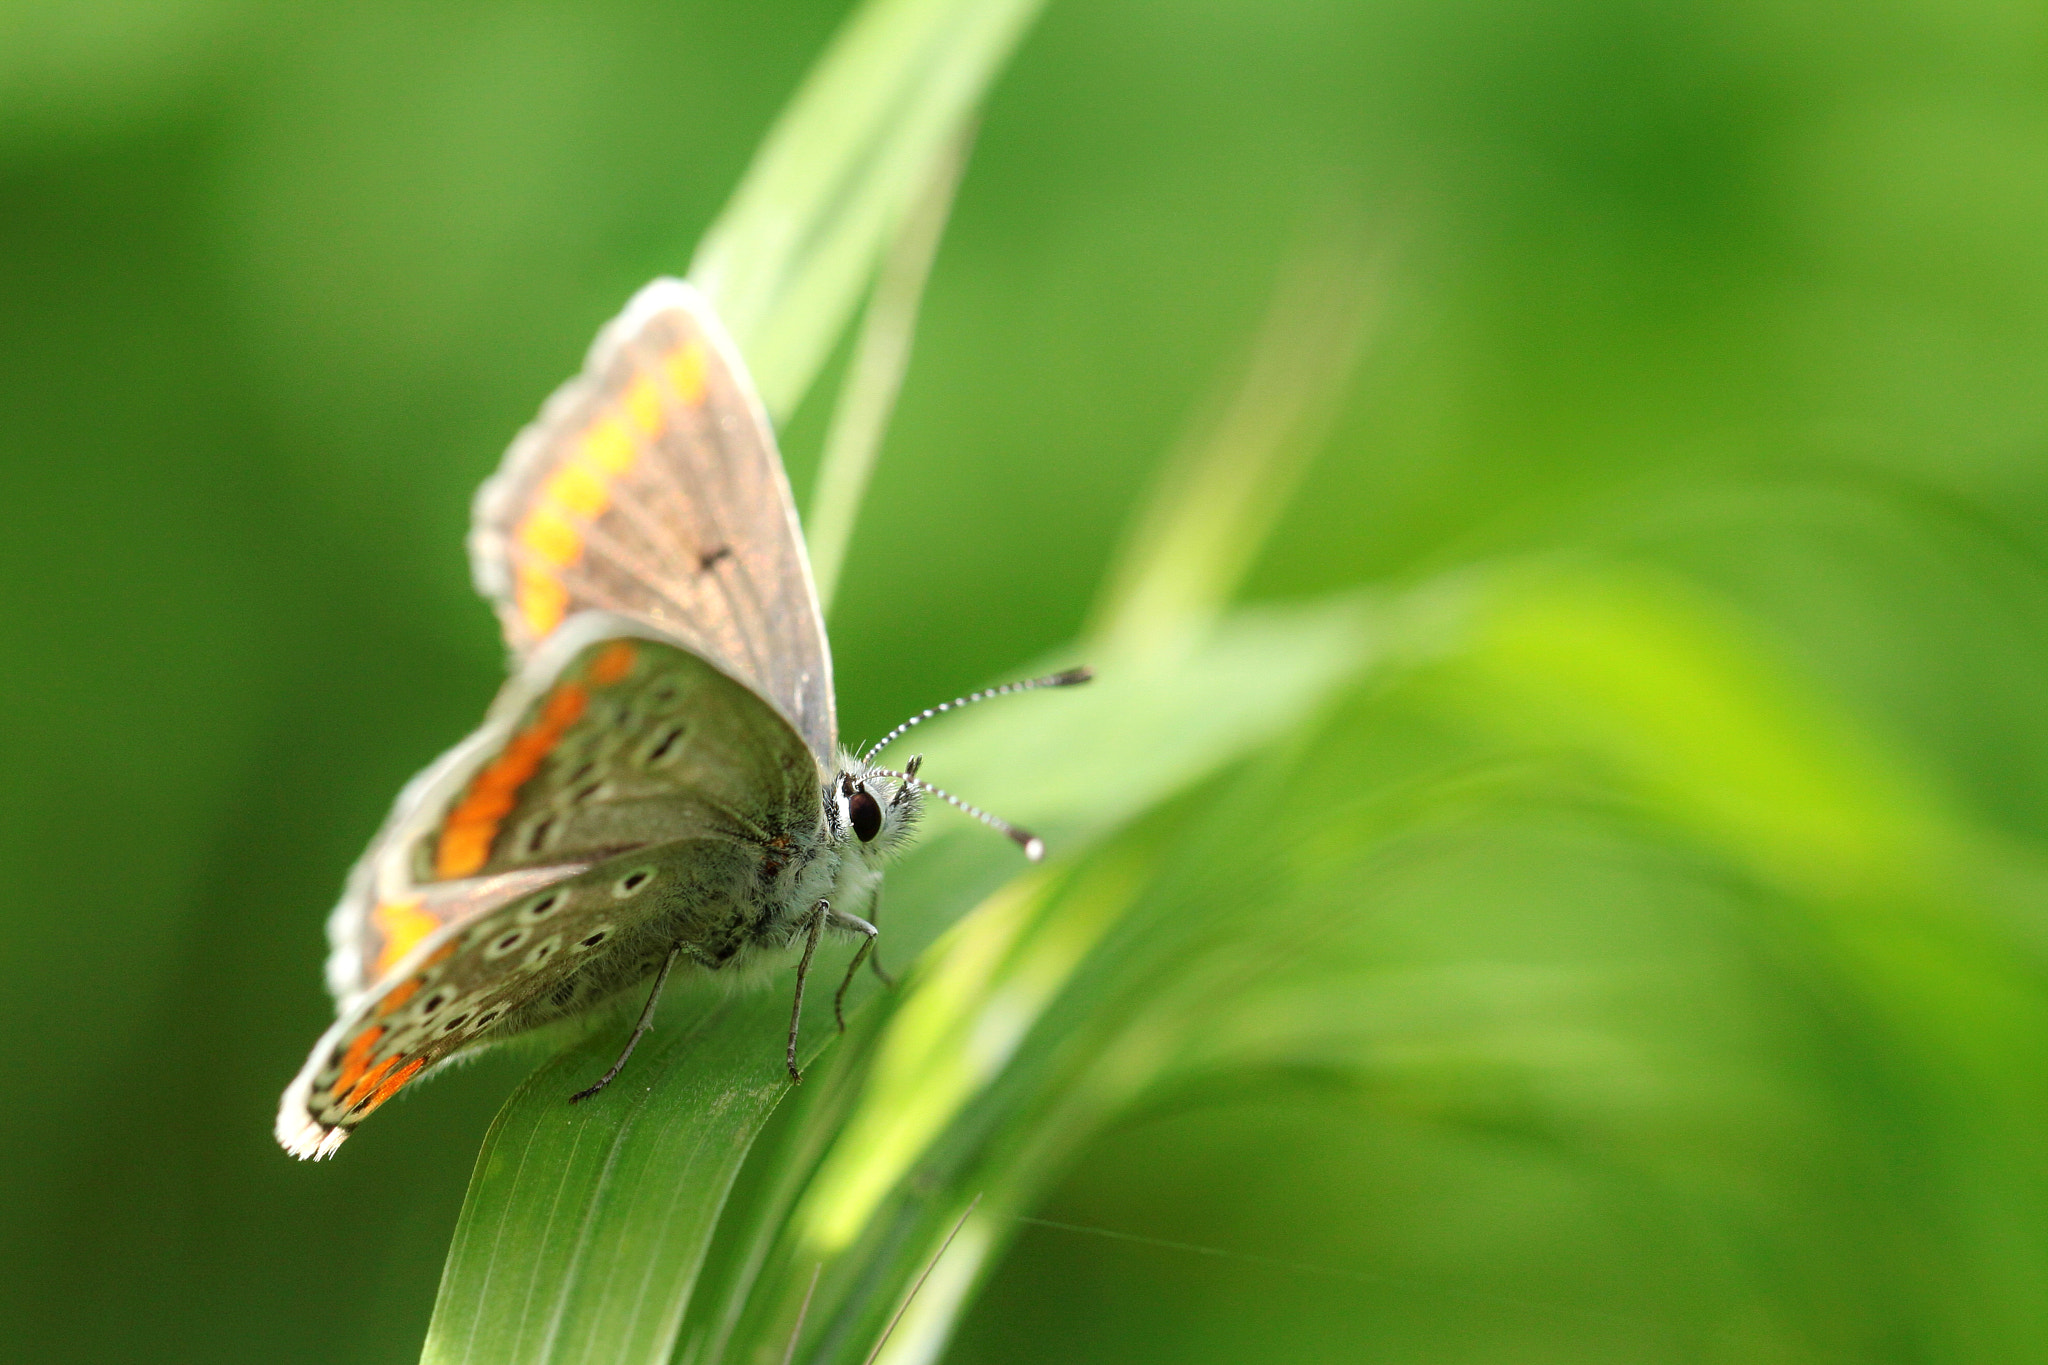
(1069, 678)
(1033, 846)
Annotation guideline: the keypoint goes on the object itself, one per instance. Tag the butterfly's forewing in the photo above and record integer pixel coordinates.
(612, 751)
(609, 738)
(650, 486)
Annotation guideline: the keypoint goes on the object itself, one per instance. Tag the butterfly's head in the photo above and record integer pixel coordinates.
(873, 810)
(876, 808)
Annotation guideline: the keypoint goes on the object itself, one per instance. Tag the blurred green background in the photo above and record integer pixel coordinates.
(1751, 299)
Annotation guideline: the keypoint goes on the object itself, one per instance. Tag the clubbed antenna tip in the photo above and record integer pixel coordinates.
(1033, 846)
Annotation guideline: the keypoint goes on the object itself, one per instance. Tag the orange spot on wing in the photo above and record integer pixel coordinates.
(466, 837)
(403, 924)
(610, 446)
(466, 847)
(396, 1083)
(369, 1080)
(549, 535)
(357, 1059)
(685, 369)
(398, 995)
(615, 663)
(643, 405)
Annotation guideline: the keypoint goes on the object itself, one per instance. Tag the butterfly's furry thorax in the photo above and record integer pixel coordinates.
(836, 858)
(740, 921)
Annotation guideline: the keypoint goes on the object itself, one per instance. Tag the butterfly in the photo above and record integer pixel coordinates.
(659, 782)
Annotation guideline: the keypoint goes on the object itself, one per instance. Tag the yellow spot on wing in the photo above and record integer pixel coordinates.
(403, 925)
(576, 490)
(685, 370)
(643, 405)
(610, 446)
(543, 601)
(547, 533)
(579, 491)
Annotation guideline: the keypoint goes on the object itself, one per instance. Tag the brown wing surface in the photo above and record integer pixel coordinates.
(650, 486)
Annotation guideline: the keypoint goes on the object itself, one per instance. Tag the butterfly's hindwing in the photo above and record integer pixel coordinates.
(650, 486)
(522, 963)
(373, 935)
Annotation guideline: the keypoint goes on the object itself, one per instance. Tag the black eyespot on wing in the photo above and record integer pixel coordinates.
(667, 743)
(867, 815)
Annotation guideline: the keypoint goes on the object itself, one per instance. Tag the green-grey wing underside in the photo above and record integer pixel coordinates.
(619, 783)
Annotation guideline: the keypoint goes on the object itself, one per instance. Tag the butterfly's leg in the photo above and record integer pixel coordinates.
(841, 920)
(875, 958)
(646, 1021)
(803, 970)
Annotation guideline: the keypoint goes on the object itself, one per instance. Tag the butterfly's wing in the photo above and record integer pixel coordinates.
(522, 960)
(650, 486)
(613, 750)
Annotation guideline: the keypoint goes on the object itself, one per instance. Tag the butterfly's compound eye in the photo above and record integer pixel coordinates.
(866, 813)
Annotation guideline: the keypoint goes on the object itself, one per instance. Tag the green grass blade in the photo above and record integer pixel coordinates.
(585, 1225)
(1303, 923)
(1127, 744)
(788, 259)
(1218, 494)
(584, 1229)
(874, 375)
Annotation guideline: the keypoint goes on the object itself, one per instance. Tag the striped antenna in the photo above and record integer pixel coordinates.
(1070, 678)
(1033, 846)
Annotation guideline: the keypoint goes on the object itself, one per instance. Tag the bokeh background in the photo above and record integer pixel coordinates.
(1754, 296)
